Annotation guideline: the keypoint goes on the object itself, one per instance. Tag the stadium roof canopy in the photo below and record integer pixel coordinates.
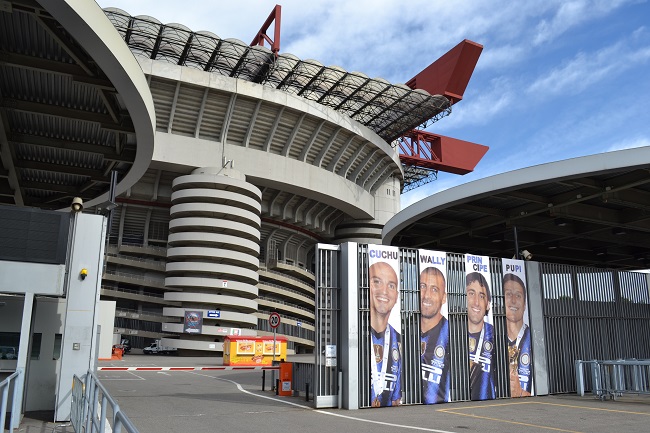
(589, 211)
(388, 109)
(74, 106)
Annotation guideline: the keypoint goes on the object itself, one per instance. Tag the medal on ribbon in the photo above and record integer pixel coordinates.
(472, 344)
(379, 352)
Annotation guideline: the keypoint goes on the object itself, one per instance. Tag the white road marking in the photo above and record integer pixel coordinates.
(408, 427)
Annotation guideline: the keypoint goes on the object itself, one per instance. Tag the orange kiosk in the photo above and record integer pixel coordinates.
(240, 350)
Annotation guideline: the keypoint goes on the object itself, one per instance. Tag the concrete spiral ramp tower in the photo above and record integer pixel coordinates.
(212, 257)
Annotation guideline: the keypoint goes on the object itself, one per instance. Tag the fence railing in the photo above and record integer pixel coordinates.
(10, 383)
(93, 406)
(612, 379)
(303, 378)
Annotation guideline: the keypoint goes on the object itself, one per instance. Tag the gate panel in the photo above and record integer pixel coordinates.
(591, 314)
(364, 327)
(327, 326)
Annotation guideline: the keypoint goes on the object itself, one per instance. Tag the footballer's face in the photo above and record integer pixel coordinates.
(477, 302)
(515, 301)
(383, 288)
(432, 294)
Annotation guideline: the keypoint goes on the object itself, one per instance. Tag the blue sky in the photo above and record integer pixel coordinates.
(556, 79)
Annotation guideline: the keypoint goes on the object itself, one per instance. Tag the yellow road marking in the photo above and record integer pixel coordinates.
(595, 408)
(509, 422)
(572, 406)
(488, 405)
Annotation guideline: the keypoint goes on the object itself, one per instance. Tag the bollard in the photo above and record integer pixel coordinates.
(263, 379)
(306, 391)
(277, 386)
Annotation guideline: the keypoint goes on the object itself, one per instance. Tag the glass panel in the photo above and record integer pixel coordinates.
(9, 342)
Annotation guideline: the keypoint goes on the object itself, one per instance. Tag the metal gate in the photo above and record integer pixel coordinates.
(589, 314)
(410, 321)
(410, 315)
(577, 313)
(458, 341)
(327, 326)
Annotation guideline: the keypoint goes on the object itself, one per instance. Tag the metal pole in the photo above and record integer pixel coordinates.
(273, 363)
(514, 229)
(340, 390)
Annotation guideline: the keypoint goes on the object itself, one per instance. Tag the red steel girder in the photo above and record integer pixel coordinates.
(275, 15)
(437, 152)
(450, 74)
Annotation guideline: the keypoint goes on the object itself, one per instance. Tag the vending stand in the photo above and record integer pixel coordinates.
(257, 351)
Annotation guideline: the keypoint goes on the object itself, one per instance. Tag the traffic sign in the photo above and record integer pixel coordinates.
(214, 314)
(274, 320)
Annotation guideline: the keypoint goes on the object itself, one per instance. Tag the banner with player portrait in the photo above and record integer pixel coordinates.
(518, 326)
(385, 326)
(193, 322)
(480, 327)
(434, 327)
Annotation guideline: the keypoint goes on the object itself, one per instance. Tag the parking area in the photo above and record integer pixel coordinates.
(215, 401)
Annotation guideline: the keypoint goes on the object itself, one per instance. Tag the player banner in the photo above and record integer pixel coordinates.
(385, 324)
(480, 327)
(193, 322)
(434, 327)
(517, 322)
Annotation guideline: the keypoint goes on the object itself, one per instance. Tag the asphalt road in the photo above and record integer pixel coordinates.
(232, 401)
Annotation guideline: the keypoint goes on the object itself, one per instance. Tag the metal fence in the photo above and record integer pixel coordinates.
(579, 313)
(328, 318)
(93, 406)
(612, 379)
(11, 383)
(410, 315)
(458, 341)
(303, 379)
(591, 314)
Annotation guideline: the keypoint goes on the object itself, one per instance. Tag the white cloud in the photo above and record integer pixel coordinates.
(573, 13)
(529, 60)
(481, 108)
(388, 38)
(587, 69)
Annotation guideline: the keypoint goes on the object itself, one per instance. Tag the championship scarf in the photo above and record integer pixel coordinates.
(434, 359)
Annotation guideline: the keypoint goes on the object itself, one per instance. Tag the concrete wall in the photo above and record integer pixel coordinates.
(42, 373)
(78, 353)
(106, 320)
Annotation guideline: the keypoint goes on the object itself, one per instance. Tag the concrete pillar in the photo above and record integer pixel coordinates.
(212, 256)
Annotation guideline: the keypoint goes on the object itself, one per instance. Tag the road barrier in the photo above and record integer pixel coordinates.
(613, 378)
(12, 382)
(92, 405)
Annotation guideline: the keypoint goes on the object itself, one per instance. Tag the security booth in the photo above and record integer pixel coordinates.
(50, 272)
(253, 351)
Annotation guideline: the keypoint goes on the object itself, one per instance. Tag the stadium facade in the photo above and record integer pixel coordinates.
(232, 163)
(245, 179)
